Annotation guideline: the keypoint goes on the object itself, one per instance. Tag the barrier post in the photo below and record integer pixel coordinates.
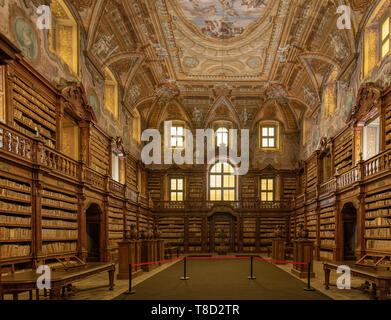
(308, 288)
(251, 277)
(130, 291)
(185, 277)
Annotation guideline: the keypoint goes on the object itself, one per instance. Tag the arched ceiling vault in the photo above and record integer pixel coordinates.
(198, 46)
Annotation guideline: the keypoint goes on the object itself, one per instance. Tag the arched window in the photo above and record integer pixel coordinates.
(222, 184)
(64, 35)
(221, 136)
(111, 93)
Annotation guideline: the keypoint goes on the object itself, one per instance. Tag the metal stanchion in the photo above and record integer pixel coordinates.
(130, 291)
(185, 277)
(251, 277)
(308, 288)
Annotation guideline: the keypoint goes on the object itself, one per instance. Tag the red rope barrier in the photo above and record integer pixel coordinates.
(225, 258)
(201, 258)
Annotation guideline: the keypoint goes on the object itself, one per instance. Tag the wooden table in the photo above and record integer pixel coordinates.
(381, 279)
(26, 281)
(169, 251)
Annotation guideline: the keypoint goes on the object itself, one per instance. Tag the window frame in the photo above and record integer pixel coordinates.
(70, 22)
(222, 133)
(222, 188)
(176, 191)
(367, 123)
(177, 136)
(267, 191)
(381, 42)
(275, 137)
(111, 82)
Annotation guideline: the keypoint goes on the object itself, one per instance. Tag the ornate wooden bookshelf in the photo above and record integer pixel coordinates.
(343, 151)
(327, 232)
(195, 232)
(249, 234)
(16, 234)
(378, 221)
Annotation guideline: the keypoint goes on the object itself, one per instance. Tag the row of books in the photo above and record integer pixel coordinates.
(15, 207)
(13, 184)
(58, 223)
(379, 203)
(379, 232)
(58, 213)
(379, 244)
(59, 233)
(327, 234)
(116, 234)
(327, 220)
(378, 222)
(58, 195)
(32, 94)
(327, 242)
(59, 204)
(326, 255)
(378, 213)
(14, 251)
(57, 247)
(30, 123)
(14, 194)
(379, 196)
(14, 233)
(116, 215)
(327, 226)
(15, 219)
(118, 227)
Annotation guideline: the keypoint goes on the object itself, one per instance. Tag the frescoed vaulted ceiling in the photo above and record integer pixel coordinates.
(187, 55)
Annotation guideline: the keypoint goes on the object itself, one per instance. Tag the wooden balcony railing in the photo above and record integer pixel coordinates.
(348, 178)
(208, 205)
(94, 178)
(116, 187)
(327, 187)
(58, 162)
(16, 143)
(377, 164)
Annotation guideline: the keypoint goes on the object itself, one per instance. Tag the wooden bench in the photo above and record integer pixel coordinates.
(380, 279)
(27, 281)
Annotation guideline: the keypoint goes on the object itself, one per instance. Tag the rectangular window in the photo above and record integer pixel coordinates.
(176, 189)
(371, 138)
(177, 137)
(268, 137)
(385, 37)
(70, 137)
(267, 189)
(115, 167)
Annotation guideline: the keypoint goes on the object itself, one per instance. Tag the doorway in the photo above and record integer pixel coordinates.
(222, 234)
(93, 230)
(349, 224)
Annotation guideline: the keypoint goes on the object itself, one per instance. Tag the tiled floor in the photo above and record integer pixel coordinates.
(96, 287)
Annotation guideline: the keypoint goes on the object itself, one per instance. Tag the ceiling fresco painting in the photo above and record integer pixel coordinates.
(223, 19)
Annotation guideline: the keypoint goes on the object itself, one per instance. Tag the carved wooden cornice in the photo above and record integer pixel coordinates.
(368, 99)
(74, 100)
(8, 50)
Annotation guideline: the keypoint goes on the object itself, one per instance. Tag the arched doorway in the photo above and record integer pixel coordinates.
(93, 232)
(222, 232)
(349, 228)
